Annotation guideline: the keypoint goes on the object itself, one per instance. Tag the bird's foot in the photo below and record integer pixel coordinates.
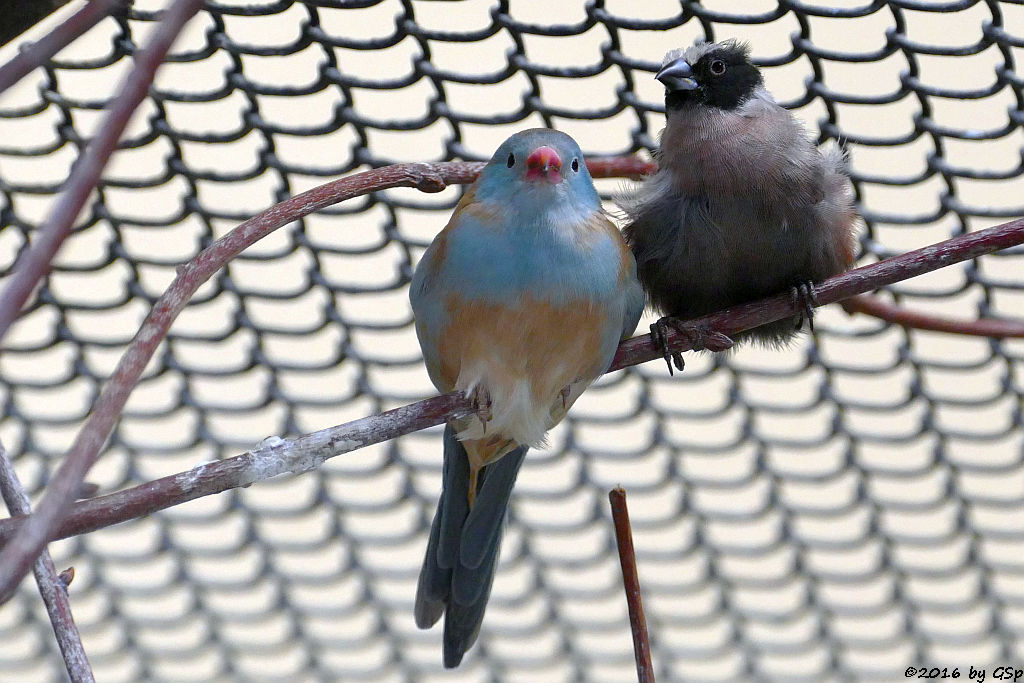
(701, 338)
(481, 400)
(804, 300)
(659, 335)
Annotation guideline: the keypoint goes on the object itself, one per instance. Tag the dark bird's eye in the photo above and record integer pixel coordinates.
(576, 165)
(511, 160)
(717, 67)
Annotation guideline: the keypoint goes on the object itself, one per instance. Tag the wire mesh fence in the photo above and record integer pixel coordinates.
(845, 508)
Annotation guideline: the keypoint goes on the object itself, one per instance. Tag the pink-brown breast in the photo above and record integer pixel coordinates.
(497, 347)
(549, 345)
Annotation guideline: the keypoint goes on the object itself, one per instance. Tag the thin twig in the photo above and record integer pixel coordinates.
(905, 317)
(39, 52)
(35, 263)
(631, 582)
(295, 454)
(15, 559)
(51, 587)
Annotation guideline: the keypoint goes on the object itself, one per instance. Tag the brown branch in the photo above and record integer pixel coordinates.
(843, 286)
(307, 451)
(44, 524)
(620, 167)
(35, 263)
(905, 317)
(631, 582)
(15, 558)
(272, 457)
(39, 52)
(52, 589)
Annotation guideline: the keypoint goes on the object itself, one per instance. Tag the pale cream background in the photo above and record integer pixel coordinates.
(708, 462)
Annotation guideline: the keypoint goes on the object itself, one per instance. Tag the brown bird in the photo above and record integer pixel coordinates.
(743, 205)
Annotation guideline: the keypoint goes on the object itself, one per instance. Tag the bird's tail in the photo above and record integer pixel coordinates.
(462, 552)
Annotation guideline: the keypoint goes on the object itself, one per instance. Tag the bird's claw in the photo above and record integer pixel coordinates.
(659, 335)
(481, 400)
(804, 301)
(701, 338)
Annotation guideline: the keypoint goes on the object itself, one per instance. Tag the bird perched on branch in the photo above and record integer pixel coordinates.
(520, 302)
(743, 205)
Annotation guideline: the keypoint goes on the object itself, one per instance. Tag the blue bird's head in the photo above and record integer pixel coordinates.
(538, 165)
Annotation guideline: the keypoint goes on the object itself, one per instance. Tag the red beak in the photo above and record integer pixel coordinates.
(544, 164)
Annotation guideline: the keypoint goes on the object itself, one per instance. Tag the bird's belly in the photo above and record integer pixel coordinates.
(522, 356)
(724, 257)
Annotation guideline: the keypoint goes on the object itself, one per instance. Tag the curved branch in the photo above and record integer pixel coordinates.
(35, 263)
(276, 456)
(426, 177)
(905, 317)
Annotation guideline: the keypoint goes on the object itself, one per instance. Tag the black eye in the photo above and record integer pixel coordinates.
(511, 160)
(576, 165)
(717, 67)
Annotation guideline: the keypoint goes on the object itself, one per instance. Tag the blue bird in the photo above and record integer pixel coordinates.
(520, 302)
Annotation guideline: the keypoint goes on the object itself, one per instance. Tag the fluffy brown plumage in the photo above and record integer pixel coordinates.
(743, 205)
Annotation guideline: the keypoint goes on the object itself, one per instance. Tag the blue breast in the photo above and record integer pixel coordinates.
(504, 263)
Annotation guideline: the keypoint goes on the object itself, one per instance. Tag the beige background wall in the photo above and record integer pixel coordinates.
(850, 504)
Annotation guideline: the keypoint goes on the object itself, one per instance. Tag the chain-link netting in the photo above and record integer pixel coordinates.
(843, 509)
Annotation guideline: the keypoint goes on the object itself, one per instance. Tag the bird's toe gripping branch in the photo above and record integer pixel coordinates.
(481, 400)
(701, 338)
(804, 301)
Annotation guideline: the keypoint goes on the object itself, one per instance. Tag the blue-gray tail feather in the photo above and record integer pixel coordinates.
(462, 552)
